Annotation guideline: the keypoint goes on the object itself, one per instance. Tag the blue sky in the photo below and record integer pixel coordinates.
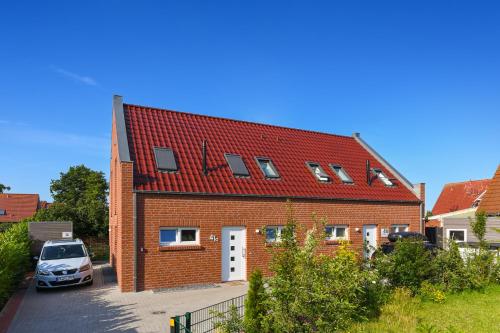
(419, 80)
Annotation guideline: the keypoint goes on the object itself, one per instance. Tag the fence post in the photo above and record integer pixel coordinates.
(174, 324)
(188, 320)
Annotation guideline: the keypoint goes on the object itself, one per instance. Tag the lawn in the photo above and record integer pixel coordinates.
(466, 312)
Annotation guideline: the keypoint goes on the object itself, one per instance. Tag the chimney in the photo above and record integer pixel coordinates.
(204, 157)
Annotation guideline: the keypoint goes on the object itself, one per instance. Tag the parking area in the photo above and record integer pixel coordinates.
(103, 308)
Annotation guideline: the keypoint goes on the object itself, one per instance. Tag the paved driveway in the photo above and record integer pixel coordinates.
(103, 308)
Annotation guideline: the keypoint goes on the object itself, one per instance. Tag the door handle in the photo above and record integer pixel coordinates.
(244, 252)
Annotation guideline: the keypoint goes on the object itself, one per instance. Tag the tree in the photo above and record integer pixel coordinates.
(478, 226)
(4, 188)
(255, 303)
(80, 196)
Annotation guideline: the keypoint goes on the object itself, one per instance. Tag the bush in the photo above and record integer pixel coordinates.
(407, 266)
(14, 258)
(428, 291)
(230, 323)
(317, 293)
(451, 272)
(255, 303)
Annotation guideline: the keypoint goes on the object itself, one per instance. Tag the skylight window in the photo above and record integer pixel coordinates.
(267, 167)
(383, 178)
(318, 172)
(165, 159)
(341, 173)
(237, 165)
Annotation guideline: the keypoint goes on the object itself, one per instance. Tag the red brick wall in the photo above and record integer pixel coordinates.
(121, 217)
(195, 265)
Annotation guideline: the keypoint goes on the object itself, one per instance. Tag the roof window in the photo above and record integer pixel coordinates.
(341, 173)
(267, 167)
(383, 178)
(165, 159)
(318, 171)
(237, 165)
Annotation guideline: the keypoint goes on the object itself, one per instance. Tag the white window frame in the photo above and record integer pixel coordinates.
(338, 169)
(456, 229)
(271, 166)
(178, 236)
(383, 177)
(334, 237)
(405, 226)
(279, 230)
(318, 172)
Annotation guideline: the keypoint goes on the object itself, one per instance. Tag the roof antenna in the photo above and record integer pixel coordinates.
(368, 176)
(204, 157)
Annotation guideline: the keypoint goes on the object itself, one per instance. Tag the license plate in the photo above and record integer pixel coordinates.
(65, 278)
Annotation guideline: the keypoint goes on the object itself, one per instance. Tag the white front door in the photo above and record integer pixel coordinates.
(233, 253)
(369, 240)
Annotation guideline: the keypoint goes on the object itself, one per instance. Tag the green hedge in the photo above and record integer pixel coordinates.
(14, 258)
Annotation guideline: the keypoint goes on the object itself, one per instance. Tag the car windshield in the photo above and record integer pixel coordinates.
(63, 252)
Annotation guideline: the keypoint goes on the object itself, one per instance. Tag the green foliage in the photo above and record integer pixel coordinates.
(255, 304)
(481, 268)
(230, 323)
(4, 188)
(310, 292)
(408, 265)
(431, 292)
(478, 226)
(80, 196)
(451, 272)
(14, 258)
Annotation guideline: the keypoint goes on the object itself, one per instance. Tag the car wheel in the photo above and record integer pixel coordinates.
(38, 289)
(91, 282)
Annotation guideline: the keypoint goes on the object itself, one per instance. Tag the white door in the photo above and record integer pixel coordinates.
(369, 240)
(233, 253)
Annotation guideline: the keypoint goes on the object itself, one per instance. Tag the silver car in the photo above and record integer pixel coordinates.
(63, 263)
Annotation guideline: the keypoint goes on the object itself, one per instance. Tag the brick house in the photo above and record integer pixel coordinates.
(197, 199)
(15, 207)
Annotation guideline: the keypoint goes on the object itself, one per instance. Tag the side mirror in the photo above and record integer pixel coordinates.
(35, 258)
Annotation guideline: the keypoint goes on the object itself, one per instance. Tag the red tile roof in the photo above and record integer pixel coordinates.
(288, 148)
(18, 206)
(491, 200)
(458, 196)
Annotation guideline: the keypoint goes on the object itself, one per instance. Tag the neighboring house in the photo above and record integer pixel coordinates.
(16, 207)
(483, 195)
(197, 199)
(457, 200)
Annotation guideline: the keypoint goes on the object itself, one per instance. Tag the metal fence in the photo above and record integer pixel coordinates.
(204, 320)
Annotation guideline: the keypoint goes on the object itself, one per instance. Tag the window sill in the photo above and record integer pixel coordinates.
(337, 242)
(180, 248)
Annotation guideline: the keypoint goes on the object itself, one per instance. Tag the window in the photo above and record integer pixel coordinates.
(383, 178)
(165, 159)
(273, 234)
(336, 232)
(399, 227)
(2, 212)
(179, 236)
(318, 171)
(341, 173)
(458, 235)
(237, 165)
(267, 167)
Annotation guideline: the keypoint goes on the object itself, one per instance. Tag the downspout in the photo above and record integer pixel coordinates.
(135, 241)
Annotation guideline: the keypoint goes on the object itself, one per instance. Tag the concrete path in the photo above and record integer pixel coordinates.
(103, 308)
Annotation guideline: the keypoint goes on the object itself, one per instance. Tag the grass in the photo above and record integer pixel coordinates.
(465, 312)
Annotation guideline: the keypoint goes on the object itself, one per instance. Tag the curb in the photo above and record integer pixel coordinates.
(10, 309)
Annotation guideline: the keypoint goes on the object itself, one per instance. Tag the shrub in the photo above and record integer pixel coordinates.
(431, 292)
(255, 304)
(14, 258)
(407, 266)
(451, 272)
(230, 323)
(317, 293)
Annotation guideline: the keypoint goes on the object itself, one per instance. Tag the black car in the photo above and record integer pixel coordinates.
(393, 237)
